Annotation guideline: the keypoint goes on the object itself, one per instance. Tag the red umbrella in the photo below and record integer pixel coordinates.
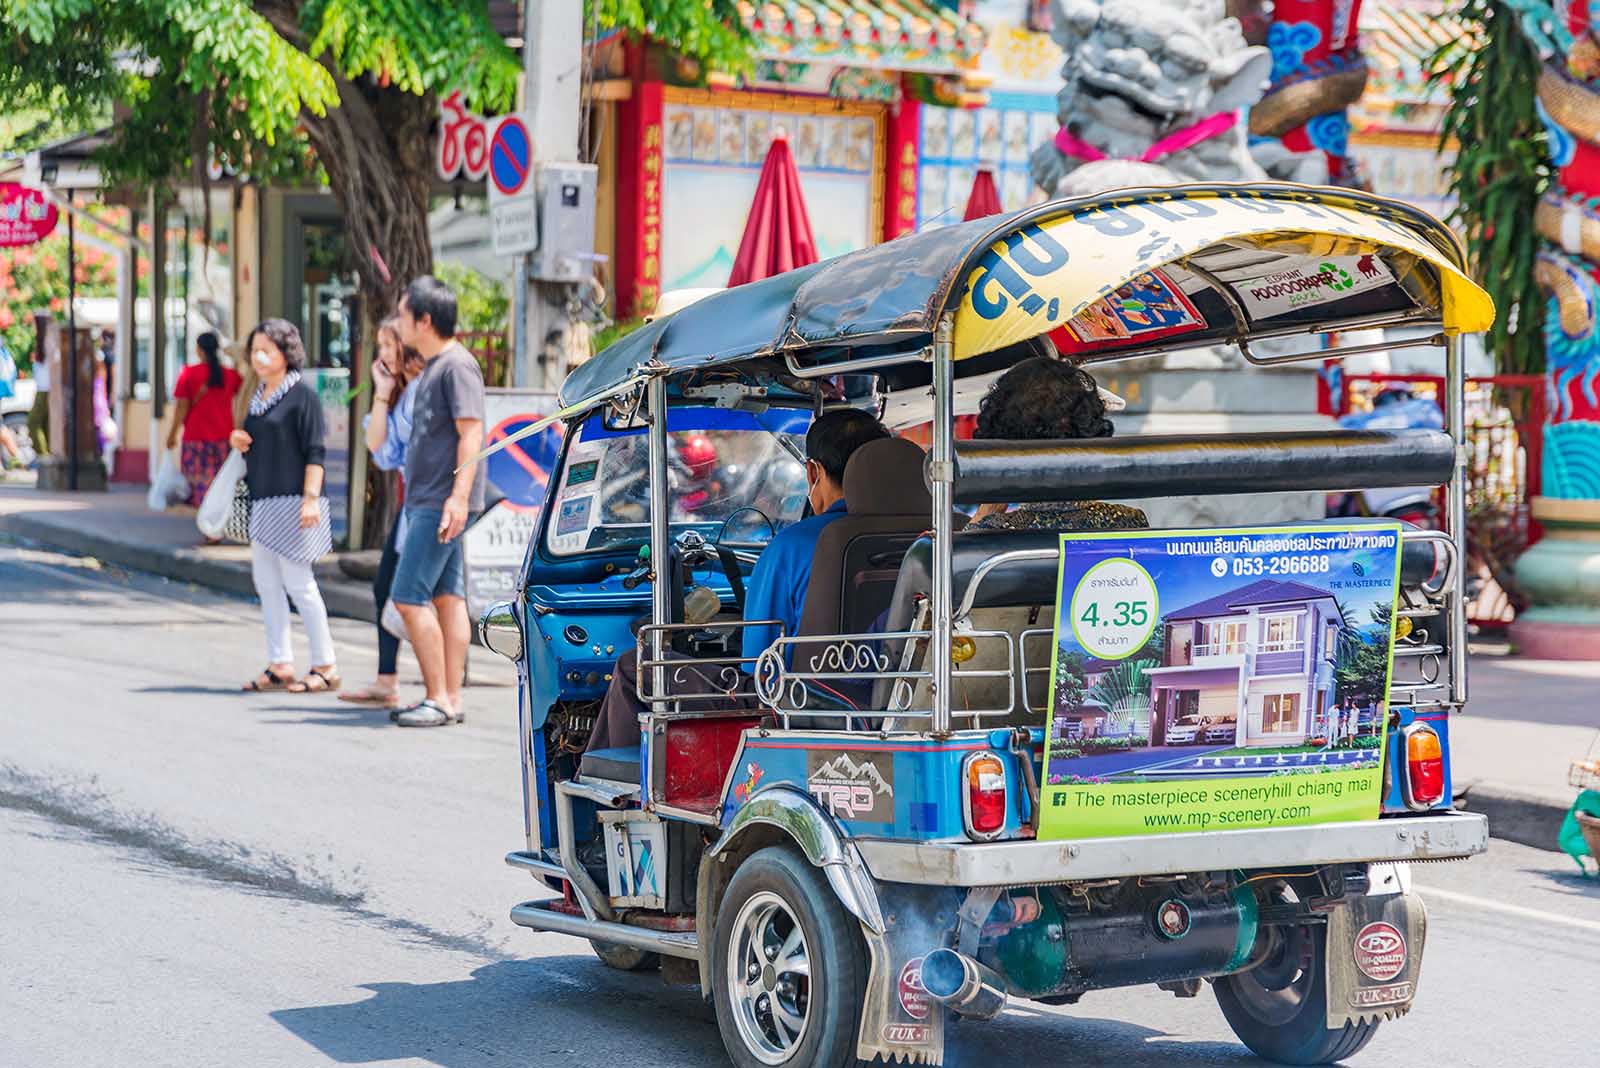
(984, 199)
(777, 235)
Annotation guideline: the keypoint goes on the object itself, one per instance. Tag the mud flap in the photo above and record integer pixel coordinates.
(898, 1022)
(1374, 957)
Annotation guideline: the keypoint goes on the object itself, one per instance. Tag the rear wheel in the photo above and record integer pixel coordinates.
(625, 958)
(1280, 1007)
(788, 967)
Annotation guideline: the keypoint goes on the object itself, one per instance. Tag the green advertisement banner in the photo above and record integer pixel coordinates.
(1210, 680)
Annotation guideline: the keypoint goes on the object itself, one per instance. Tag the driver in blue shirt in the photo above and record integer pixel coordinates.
(777, 586)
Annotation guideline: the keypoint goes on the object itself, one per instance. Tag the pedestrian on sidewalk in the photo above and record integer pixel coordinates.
(282, 442)
(10, 452)
(388, 429)
(203, 414)
(105, 360)
(444, 490)
(39, 414)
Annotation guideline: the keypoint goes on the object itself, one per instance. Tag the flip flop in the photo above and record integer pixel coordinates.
(315, 681)
(278, 682)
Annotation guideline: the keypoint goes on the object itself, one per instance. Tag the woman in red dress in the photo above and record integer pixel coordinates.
(204, 413)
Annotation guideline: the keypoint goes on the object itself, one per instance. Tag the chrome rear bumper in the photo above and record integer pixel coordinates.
(1443, 837)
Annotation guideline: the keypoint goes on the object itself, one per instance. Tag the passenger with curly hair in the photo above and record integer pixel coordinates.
(1043, 398)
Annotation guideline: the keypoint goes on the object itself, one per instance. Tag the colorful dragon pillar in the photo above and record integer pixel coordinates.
(1560, 574)
(1299, 129)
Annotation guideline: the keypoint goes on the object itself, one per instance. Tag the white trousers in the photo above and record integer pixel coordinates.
(278, 581)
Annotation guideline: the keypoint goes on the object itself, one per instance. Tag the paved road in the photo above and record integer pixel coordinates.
(193, 877)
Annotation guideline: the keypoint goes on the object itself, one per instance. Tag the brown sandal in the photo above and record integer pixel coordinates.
(315, 681)
(274, 682)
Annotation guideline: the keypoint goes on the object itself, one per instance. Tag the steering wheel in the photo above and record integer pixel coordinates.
(730, 558)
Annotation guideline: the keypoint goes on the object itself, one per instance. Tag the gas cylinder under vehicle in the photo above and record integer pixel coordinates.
(1119, 935)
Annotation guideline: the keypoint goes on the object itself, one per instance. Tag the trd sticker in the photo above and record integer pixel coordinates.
(913, 998)
(1380, 951)
(849, 789)
(906, 1034)
(1373, 997)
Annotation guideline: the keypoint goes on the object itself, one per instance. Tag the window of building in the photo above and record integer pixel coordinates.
(1280, 713)
(1221, 638)
(1282, 633)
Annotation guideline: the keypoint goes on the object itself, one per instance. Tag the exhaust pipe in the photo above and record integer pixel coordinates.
(962, 984)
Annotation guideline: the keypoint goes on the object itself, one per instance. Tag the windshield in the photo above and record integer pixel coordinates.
(734, 475)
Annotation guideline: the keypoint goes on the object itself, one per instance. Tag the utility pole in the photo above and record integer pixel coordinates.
(552, 58)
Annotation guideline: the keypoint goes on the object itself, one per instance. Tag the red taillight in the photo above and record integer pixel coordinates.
(986, 795)
(1424, 766)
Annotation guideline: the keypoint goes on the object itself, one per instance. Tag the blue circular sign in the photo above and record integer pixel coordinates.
(509, 156)
(522, 469)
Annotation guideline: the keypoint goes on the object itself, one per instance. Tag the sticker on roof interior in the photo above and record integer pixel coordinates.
(1316, 283)
(1148, 308)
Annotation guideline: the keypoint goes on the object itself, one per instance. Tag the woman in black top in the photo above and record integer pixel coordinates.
(289, 528)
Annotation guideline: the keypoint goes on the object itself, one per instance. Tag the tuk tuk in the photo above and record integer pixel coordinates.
(852, 840)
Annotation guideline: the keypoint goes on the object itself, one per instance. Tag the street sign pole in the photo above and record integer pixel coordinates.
(552, 56)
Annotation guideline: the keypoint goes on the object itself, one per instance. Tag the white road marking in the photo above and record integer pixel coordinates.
(1429, 892)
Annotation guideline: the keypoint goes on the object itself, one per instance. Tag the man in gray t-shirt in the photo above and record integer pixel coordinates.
(444, 487)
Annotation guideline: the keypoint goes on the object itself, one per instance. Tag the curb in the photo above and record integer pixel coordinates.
(1525, 818)
(346, 599)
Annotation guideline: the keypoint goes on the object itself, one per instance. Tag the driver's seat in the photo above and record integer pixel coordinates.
(857, 558)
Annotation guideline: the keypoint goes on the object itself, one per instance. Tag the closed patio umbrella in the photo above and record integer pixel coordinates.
(984, 198)
(777, 235)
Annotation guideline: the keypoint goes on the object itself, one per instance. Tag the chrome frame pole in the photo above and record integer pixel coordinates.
(660, 530)
(942, 478)
(1456, 514)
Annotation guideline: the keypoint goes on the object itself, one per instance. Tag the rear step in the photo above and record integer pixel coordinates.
(541, 916)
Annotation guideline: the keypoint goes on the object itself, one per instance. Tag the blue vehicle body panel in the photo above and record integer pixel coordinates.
(923, 776)
(1394, 801)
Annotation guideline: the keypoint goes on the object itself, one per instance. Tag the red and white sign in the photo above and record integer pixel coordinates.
(1380, 951)
(463, 141)
(913, 998)
(26, 215)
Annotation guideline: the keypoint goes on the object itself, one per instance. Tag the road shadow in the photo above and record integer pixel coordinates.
(324, 713)
(1568, 880)
(571, 1010)
(552, 1010)
(232, 691)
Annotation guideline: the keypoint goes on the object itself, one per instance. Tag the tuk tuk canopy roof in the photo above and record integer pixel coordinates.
(1103, 275)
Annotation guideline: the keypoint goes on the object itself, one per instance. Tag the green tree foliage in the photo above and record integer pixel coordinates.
(482, 304)
(708, 30)
(1361, 669)
(1500, 170)
(1124, 691)
(1071, 681)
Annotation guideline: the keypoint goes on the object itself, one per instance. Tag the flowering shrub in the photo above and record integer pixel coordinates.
(34, 278)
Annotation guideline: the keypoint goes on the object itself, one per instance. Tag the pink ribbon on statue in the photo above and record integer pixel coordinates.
(1072, 145)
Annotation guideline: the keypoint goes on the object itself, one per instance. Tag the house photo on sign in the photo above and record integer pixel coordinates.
(1217, 680)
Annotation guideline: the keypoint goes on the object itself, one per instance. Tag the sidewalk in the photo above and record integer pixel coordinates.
(118, 528)
(1526, 719)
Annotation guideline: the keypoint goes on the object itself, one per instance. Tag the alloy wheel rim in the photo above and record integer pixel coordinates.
(769, 978)
(1275, 990)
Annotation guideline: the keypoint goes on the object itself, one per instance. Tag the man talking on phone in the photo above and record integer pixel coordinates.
(444, 491)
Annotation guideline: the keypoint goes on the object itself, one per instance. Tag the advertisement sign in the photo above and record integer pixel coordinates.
(1323, 282)
(26, 215)
(1213, 680)
(519, 473)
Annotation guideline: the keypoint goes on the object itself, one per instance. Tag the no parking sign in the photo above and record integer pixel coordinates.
(518, 474)
(513, 200)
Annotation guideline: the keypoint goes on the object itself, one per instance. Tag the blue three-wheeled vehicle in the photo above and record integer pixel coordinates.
(839, 838)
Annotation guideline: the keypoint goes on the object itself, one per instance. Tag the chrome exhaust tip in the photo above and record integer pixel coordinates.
(960, 983)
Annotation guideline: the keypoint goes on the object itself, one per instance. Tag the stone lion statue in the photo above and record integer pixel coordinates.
(1153, 95)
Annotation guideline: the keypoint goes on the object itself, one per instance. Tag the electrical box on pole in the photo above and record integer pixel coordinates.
(566, 223)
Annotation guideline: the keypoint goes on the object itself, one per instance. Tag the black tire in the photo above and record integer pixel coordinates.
(1280, 1008)
(625, 958)
(773, 895)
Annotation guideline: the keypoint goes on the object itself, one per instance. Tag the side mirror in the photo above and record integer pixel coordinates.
(501, 632)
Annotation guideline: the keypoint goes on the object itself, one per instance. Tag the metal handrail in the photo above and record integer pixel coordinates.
(728, 670)
(981, 572)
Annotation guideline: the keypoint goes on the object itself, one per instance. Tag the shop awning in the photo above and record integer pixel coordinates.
(904, 35)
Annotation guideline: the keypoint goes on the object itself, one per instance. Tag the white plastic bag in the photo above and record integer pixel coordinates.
(169, 487)
(395, 623)
(212, 519)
